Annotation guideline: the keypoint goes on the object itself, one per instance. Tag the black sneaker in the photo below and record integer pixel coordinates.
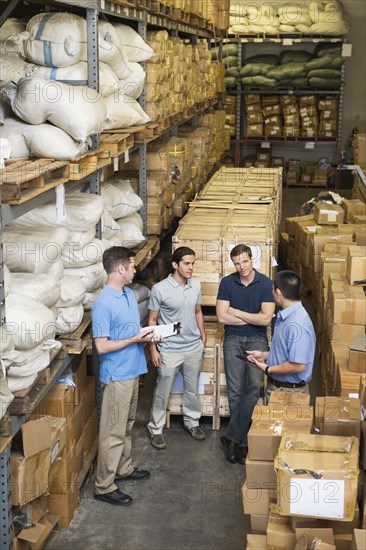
(115, 497)
(136, 475)
(241, 454)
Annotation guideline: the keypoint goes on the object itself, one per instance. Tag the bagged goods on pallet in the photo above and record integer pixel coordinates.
(78, 110)
(12, 37)
(132, 44)
(119, 199)
(69, 319)
(319, 17)
(93, 276)
(41, 140)
(123, 111)
(82, 212)
(8, 280)
(72, 290)
(130, 233)
(90, 253)
(14, 68)
(42, 287)
(9, 358)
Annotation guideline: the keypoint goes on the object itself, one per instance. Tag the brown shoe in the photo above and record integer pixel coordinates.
(158, 441)
(196, 432)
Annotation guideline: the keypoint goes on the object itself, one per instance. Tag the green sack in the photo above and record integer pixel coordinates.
(289, 70)
(252, 69)
(326, 48)
(324, 83)
(259, 80)
(232, 71)
(230, 81)
(295, 57)
(328, 61)
(230, 61)
(324, 73)
(300, 82)
(227, 50)
(263, 58)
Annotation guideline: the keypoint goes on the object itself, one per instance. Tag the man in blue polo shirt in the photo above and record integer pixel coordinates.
(289, 364)
(245, 305)
(116, 328)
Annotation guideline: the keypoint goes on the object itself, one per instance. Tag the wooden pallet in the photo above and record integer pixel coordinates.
(86, 164)
(25, 401)
(21, 180)
(180, 15)
(118, 142)
(76, 341)
(144, 132)
(147, 253)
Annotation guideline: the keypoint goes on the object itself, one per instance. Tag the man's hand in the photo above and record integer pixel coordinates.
(155, 357)
(259, 355)
(260, 364)
(147, 337)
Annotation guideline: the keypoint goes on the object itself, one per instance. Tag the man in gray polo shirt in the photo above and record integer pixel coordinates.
(177, 299)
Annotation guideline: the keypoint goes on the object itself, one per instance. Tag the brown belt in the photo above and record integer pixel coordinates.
(281, 384)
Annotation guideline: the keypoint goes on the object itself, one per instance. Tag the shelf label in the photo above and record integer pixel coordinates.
(115, 164)
(127, 156)
(102, 4)
(60, 203)
(347, 50)
(310, 145)
(265, 145)
(112, 7)
(287, 42)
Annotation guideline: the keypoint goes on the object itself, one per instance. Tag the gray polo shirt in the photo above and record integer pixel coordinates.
(177, 303)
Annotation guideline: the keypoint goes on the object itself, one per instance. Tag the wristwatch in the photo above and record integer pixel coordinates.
(266, 370)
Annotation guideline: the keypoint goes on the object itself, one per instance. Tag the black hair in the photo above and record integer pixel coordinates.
(240, 249)
(115, 256)
(289, 283)
(179, 253)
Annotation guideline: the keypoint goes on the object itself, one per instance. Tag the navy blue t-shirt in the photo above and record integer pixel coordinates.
(246, 298)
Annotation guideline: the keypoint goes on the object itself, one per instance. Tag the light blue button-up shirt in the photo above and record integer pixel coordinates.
(116, 316)
(294, 341)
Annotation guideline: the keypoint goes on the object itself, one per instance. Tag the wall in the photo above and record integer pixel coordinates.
(355, 89)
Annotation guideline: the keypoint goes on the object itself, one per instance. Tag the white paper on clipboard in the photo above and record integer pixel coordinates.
(163, 330)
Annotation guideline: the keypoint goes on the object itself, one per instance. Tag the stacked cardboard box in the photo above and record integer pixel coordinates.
(273, 121)
(230, 110)
(254, 116)
(360, 159)
(291, 116)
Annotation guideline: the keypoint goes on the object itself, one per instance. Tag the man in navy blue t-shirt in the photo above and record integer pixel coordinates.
(245, 305)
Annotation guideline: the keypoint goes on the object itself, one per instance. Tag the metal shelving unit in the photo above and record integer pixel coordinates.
(241, 141)
(142, 19)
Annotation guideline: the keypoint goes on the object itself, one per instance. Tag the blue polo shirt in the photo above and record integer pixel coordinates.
(294, 341)
(246, 298)
(115, 315)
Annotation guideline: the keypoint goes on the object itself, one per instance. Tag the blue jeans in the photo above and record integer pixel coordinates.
(243, 384)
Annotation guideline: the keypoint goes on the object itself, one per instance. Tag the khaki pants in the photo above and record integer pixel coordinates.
(190, 362)
(117, 419)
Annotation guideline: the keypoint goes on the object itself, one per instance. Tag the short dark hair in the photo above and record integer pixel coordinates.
(289, 283)
(179, 253)
(115, 256)
(240, 249)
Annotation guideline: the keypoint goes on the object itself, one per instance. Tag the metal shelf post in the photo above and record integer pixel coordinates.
(5, 500)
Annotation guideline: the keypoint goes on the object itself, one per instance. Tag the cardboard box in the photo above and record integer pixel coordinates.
(58, 402)
(79, 455)
(358, 539)
(65, 505)
(357, 354)
(258, 500)
(363, 445)
(256, 542)
(90, 434)
(280, 399)
(279, 532)
(321, 539)
(258, 523)
(292, 414)
(347, 303)
(338, 416)
(328, 214)
(79, 374)
(88, 398)
(353, 207)
(265, 438)
(356, 264)
(30, 463)
(260, 473)
(65, 470)
(307, 466)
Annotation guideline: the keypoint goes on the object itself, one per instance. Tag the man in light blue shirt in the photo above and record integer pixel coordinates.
(116, 333)
(289, 363)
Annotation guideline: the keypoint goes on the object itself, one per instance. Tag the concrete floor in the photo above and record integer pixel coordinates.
(192, 500)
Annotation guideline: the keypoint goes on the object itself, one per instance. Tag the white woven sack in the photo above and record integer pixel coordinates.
(89, 254)
(72, 291)
(93, 276)
(12, 38)
(110, 51)
(78, 239)
(123, 112)
(69, 319)
(41, 287)
(56, 269)
(132, 44)
(131, 234)
(133, 84)
(8, 280)
(78, 110)
(42, 141)
(119, 199)
(33, 251)
(108, 81)
(134, 218)
(28, 321)
(56, 39)
(110, 228)
(82, 212)
(141, 292)
(89, 299)
(14, 68)
(11, 27)
(6, 341)
(38, 358)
